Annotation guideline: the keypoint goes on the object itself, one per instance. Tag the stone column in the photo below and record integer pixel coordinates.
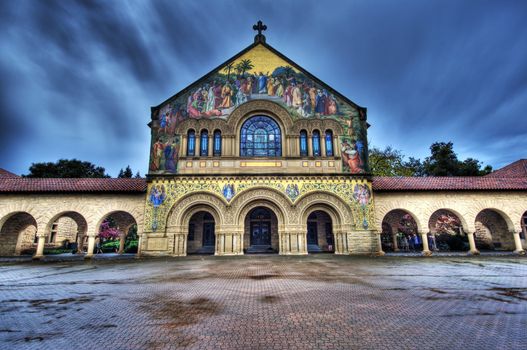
(139, 245)
(336, 146)
(183, 146)
(518, 244)
(293, 243)
(395, 244)
(122, 238)
(309, 145)
(197, 145)
(323, 145)
(40, 247)
(180, 244)
(379, 252)
(211, 145)
(229, 243)
(426, 248)
(473, 250)
(91, 246)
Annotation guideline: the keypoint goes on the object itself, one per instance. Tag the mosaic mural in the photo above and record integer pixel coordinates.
(257, 74)
(164, 194)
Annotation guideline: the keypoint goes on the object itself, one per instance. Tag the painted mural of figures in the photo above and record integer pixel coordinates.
(249, 87)
(163, 122)
(171, 153)
(196, 104)
(306, 105)
(296, 96)
(262, 83)
(226, 94)
(313, 97)
(211, 99)
(278, 88)
(351, 157)
(241, 98)
(332, 105)
(270, 86)
(320, 102)
(288, 96)
(157, 154)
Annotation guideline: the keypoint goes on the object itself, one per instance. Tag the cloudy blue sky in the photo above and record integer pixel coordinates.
(78, 77)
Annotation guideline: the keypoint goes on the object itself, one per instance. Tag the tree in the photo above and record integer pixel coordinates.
(126, 173)
(444, 162)
(66, 168)
(228, 70)
(106, 231)
(137, 175)
(245, 65)
(390, 162)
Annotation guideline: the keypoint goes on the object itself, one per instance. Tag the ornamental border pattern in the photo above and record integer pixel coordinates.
(173, 190)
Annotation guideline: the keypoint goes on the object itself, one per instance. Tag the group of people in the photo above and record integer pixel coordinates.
(212, 99)
(413, 242)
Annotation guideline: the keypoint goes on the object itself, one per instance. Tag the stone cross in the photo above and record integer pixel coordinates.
(260, 27)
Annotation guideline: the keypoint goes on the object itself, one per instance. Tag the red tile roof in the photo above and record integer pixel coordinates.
(7, 174)
(516, 169)
(20, 184)
(481, 183)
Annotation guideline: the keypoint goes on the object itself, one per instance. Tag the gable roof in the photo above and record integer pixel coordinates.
(4, 174)
(83, 185)
(473, 183)
(516, 169)
(241, 53)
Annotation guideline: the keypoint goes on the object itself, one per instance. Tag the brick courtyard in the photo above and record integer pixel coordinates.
(266, 302)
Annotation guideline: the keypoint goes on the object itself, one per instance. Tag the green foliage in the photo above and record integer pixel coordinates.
(126, 173)
(443, 161)
(390, 162)
(131, 246)
(66, 168)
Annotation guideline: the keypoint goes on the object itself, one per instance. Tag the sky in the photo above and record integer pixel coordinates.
(78, 78)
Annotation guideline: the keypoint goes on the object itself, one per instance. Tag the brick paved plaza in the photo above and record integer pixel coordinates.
(266, 302)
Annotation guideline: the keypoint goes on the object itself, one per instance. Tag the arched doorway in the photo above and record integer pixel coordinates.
(400, 232)
(447, 232)
(320, 233)
(18, 235)
(492, 232)
(201, 237)
(118, 233)
(261, 231)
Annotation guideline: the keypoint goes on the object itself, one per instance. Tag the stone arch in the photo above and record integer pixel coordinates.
(251, 108)
(317, 123)
(17, 233)
(445, 237)
(390, 237)
(202, 123)
(184, 204)
(382, 210)
(267, 197)
(342, 212)
(323, 243)
(82, 224)
(494, 230)
(124, 221)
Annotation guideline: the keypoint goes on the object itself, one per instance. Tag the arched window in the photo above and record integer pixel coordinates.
(260, 137)
(217, 144)
(316, 143)
(204, 143)
(303, 143)
(329, 143)
(191, 143)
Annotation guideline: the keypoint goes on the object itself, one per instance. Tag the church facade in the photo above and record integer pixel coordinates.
(254, 155)
(260, 156)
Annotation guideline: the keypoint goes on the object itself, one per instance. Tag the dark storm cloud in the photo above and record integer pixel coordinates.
(78, 77)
